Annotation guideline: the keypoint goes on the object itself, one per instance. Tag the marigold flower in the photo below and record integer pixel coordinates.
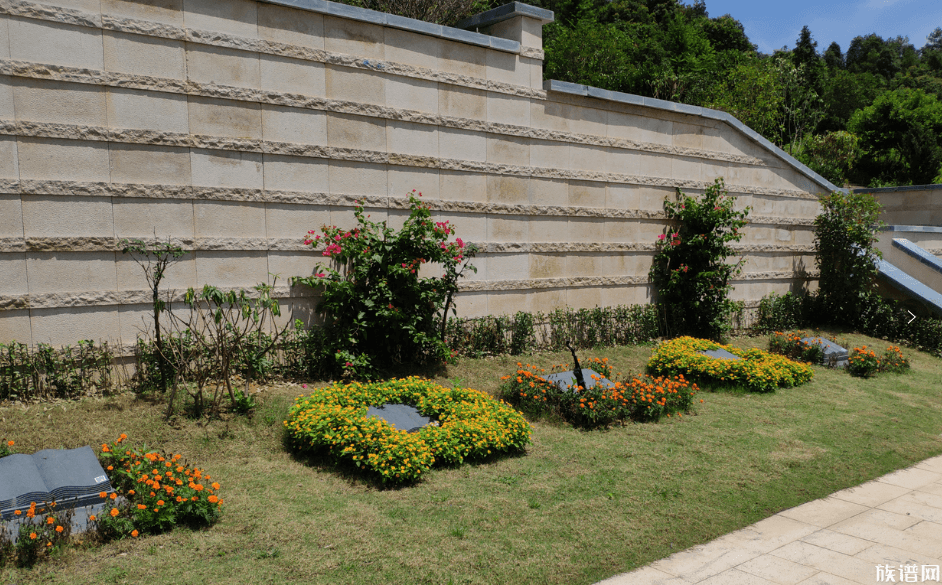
(134, 533)
(10, 443)
(114, 512)
(59, 529)
(32, 536)
(50, 520)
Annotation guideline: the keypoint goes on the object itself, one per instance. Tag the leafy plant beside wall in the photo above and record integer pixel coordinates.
(690, 271)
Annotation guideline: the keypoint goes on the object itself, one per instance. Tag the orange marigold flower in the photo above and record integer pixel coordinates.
(32, 536)
(114, 512)
(179, 499)
(130, 492)
(18, 512)
(93, 517)
(50, 520)
(215, 486)
(141, 507)
(134, 533)
(59, 529)
(114, 496)
(111, 468)
(213, 499)
(10, 443)
(160, 502)
(102, 494)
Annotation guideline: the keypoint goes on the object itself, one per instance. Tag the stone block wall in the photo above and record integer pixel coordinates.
(910, 205)
(232, 127)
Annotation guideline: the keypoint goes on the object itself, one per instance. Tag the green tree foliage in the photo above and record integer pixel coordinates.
(901, 136)
(832, 155)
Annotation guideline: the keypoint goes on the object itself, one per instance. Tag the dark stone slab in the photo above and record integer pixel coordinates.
(403, 417)
(566, 379)
(833, 353)
(720, 354)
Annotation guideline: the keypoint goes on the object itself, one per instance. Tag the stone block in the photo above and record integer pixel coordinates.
(352, 37)
(241, 268)
(143, 218)
(136, 321)
(56, 272)
(54, 43)
(640, 128)
(180, 274)
(586, 229)
(550, 154)
(586, 157)
(622, 196)
(289, 264)
(548, 228)
(508, 150)
(63, 160)
(507, 303)
(508, 109)
(685, 168)
(413, 49)
(549, 191)
(464, 145)
(219, 168)
(235, 17)
(163, 11)
(587, 194)
(152, 165)
(11, 216)
(619, 230)
(688, 135)
(647, 231)
(295, 173)
(462, 102)
(508, 189)
(402, 180)
(411, 138)
(222, 66)
(13, 274)
(294, 125)
(464, 59)
(763, 204)
(356, 178)
(471, 304)
(6, 99)
(712, 170)
(303, 308)
(292, 220)
(359, 132)
(507, 68)
(548, 300)
(470, 227)
(9, 161)
(294, 76)
(37, 100)
(507, 228)
(405, 93)
(655, 165)
(547, 266)
(14, 326)
(291, 26)
(225, 118)
(715, 138)
(395, 218)
(549, 115)
(68, 325)
(622, 161)
(461, 186)
(50, 216)
(140, 55)
(4, 40)
(228, 219)
(582, 120)
(145, 110)
(584, 297)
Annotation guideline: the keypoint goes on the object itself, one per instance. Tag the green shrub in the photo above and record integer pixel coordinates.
(756, 370)
(45, 372)
(782, 312)
(470, 426)
(864, 362)
(690, 271)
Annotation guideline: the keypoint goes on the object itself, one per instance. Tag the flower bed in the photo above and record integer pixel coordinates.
(642, 398)
(864, 363)
(790, 345)
(756, 371)
(472, 425)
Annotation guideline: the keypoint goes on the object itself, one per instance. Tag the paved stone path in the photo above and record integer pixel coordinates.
(839, 540)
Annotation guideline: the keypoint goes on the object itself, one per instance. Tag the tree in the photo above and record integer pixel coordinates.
(832, 155)
(901, 135)
(871, 54)
(752, 92)
(844, 94)
(833, 57)
(725, 33)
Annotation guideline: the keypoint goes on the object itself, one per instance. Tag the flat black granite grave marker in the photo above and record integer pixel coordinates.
(72, 478)
(565, 380)
(403, 417)
(834, 355)
(720, 354)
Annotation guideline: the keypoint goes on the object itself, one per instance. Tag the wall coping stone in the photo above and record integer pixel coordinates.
(604, 94)
(902, 188)
(422, 27)
(931, 299)
(914, 251)
(913, 228)
(506, 12)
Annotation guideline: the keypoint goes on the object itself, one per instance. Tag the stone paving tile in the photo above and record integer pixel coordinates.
(842, 543)
(767, 534)
(823, 578)
(883, 534)
(822, 513)
(644, 576)
(881, 554)
(886, 518)
(777, 570)
(872, 493)
(934, 464)
(850, 568)
(935, 488)
(701, 562)
(911, 478)
(736, 577)
(928, 530)
(918, 505)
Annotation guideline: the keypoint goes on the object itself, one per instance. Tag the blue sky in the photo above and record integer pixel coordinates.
(772, 24)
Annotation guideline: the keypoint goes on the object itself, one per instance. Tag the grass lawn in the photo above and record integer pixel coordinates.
(578, 507)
